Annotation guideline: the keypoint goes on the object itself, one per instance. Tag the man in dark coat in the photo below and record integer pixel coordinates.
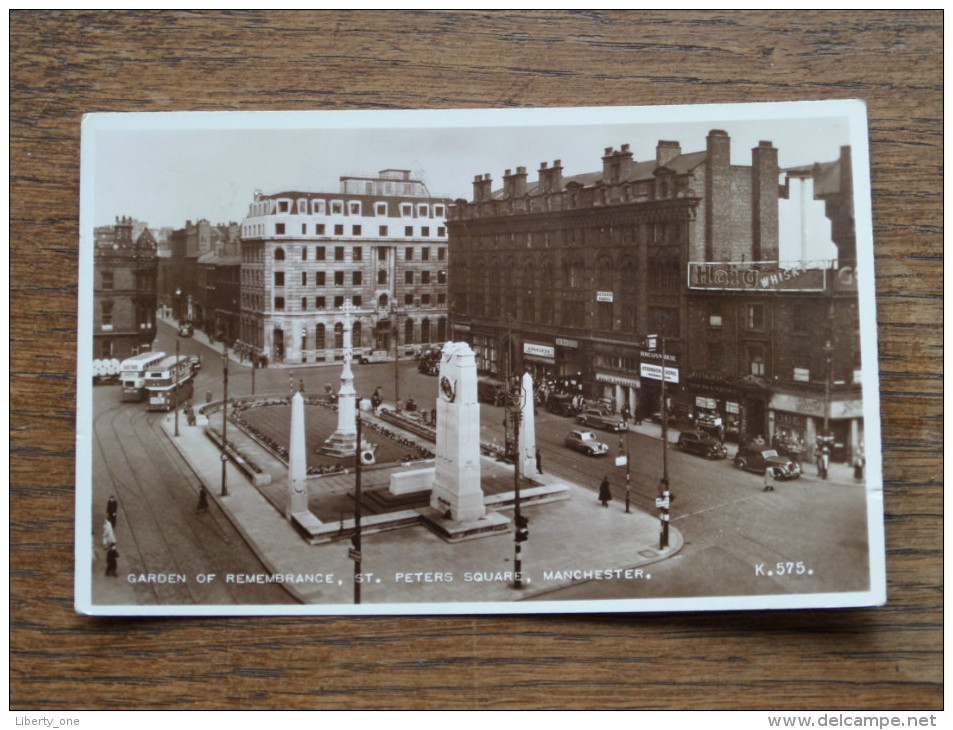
(112, 510)
(605, 495)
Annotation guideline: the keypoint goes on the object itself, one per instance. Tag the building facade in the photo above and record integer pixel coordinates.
(124, 290)
(379, 244)
(775, 345)
(566, 277)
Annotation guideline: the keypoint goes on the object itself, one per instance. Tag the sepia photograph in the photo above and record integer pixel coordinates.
(616, 359)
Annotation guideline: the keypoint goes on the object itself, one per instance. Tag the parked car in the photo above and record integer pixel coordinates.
(757, 457)
(600, 419)
(586, 442)
(196, 363)
(696, 442)
(561, 404)
(185, 329)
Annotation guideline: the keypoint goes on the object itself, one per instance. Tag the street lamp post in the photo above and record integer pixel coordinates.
(396, 361)
(356, 539)
(175, 390)
(224, 456)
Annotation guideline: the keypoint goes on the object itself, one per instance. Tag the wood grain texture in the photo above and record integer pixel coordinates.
(64, 64)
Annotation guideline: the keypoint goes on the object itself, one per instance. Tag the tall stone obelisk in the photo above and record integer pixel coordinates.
(456, 488)
(527, 440)
(343, 441)
(297, 460)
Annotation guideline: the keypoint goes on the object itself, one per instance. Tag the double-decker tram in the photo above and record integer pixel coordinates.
(169, 383)
(132, 374)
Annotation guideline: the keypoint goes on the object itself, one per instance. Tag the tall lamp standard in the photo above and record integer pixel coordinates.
(396, 360)
(663, 501)
(224, 456)
(356, 539)
(175, 390)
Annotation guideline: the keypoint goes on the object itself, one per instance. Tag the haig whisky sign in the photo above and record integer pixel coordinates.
(765, 276)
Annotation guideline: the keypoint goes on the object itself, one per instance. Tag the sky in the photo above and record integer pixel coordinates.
(166, 169)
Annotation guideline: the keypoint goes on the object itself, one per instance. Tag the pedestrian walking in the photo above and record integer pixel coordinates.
(769, 479)
(539, 462)
(605, 495)
(112, 510)
(859, 467)
(112, 558)
(109, 535)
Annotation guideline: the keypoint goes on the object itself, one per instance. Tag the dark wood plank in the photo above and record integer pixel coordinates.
(64, 64)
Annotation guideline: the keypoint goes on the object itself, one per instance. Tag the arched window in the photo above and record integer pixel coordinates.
(409, 332)
(442, 329)
(338, 335)
(279, 254)
(382, 301)
(319, 337)
(425, 330)
(382, 276)
(356, 334)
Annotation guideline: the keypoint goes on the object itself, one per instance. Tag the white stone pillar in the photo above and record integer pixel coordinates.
(457, 488)
(297, 459)
(527, 440)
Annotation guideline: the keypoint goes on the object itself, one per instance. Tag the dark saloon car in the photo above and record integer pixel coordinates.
(695, 442)
(561, 404)
(600, 419)
(586, 442)
(757, 457)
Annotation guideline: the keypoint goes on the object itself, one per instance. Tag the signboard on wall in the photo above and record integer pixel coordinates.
(758, 276)
(654, 372)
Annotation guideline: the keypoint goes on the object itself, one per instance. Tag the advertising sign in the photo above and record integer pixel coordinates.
(654, 372)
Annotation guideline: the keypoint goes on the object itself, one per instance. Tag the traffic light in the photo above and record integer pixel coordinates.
(522, 529)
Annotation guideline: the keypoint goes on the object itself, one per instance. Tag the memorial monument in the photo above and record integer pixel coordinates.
(343, 442)
(527, 440)
(297, 460)
(456, 489)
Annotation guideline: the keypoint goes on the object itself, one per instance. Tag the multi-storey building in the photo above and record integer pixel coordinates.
(124, 291)
(380, 244)
(774, 346)
(566, 277)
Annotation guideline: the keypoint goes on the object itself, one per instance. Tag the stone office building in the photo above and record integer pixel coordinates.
(379, 243)
(124, 290)
(569, 274)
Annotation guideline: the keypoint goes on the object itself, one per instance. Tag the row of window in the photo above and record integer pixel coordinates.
(321, 302)
(357, 278)
(318, 341)
(341, 207)
(320, 229)
(319, 253)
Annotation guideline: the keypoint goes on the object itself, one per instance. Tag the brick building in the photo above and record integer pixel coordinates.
(124, 290)
(379, 242)
(566, 276)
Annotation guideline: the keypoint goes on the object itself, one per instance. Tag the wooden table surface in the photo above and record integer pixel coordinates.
(63, 64)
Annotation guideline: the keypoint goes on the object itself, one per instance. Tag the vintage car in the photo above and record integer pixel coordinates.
(561, 404)
(757, 457)
(185, 329)
(600, 419)
(586, 442)
(696, 442)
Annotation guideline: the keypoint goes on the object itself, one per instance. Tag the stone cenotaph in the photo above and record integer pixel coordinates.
(456, 488)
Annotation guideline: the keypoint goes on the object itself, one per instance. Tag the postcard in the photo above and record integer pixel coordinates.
(614, 359)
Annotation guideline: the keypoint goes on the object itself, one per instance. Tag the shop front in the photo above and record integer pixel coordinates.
(730, 410)
(799, 419)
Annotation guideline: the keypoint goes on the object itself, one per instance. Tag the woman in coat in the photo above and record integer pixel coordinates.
(605, 495)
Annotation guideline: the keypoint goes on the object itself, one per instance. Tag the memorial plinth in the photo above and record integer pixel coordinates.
(343, 442)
